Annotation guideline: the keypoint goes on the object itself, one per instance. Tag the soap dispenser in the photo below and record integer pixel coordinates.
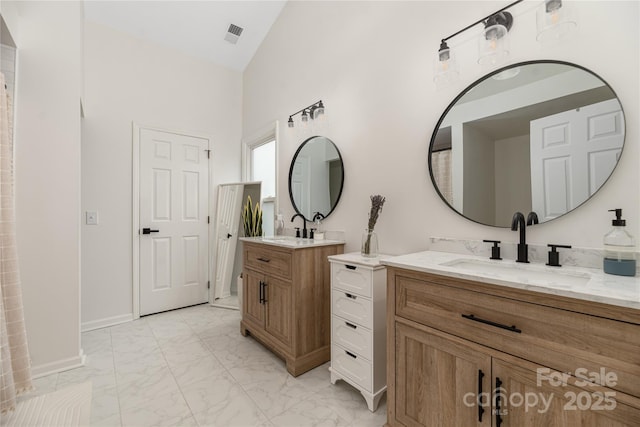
(279, 228)
(317, 219)
(619, 248)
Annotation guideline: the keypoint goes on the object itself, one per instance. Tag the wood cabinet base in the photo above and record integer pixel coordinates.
(468, 354)
(295, 365)
(286, 304)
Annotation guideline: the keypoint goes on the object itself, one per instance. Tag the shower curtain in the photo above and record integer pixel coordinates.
(441, 168)
(15, 369)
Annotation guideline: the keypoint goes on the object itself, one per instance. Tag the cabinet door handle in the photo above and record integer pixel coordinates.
(511, 328)
(350, 267)
(264, 292)
(351, 354)
(351, 325)
(497, 405)
(349, 295)
(264, 259)
(480, 408)
(261, 292)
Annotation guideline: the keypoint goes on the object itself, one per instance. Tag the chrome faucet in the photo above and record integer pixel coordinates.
(304, 225)
(518, 221)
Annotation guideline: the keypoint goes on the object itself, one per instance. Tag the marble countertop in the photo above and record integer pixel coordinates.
(358, 259)
(588, 284)
(291, 242)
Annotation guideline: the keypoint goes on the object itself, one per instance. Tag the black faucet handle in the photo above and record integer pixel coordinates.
(495, 250)
(554, 256)
(311, 230)
(297, 231)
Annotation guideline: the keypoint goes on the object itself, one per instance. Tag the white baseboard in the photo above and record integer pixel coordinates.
(109, 321)
(45, 369)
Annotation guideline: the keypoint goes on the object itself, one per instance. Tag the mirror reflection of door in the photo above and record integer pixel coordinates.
(228, 217)
(300, 183)
(572, 155)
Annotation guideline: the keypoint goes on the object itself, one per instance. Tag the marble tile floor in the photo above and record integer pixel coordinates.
(191, 367)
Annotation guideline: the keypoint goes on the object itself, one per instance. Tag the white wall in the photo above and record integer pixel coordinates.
(372, 66)
(47, 150)
(131, 80)
(479, 180)
(512, 177)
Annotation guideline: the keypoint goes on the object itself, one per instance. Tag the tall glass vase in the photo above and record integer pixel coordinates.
(369, 244)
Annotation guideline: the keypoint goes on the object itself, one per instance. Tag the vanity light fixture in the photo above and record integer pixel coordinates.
(313, 111)
(492, 45)
(554, 20)
(446, 66)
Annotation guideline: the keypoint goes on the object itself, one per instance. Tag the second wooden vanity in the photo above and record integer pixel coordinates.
(471, 353)
(286, 303)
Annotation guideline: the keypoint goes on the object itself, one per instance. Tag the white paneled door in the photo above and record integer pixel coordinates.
(572, 155)
(174, 229)
(228, 220)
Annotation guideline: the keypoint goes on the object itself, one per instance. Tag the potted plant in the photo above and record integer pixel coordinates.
(252, 219)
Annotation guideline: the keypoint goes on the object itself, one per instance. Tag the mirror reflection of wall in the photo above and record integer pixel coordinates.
(542, 136)
(316, 177)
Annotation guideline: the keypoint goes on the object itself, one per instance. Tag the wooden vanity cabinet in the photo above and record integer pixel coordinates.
(287, 301)
(455, 339)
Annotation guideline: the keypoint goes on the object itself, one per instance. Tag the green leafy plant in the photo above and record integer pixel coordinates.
(252, 219)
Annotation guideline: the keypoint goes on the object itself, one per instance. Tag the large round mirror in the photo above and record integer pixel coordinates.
(539, 136)
(316, 177)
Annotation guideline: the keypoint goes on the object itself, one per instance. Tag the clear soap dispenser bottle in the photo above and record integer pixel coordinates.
(619, 248)
(279, 228)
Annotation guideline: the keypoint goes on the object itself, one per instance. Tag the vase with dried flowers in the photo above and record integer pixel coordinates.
(369, 237)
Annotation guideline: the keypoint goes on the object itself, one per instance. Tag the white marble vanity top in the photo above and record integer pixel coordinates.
(588, 284)
(357, 259)
(291, 242)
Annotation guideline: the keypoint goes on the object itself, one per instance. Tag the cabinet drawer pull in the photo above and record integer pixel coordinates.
(511, 328)
(351, 325)
(264, 259)
(350, 267)
(351, 354)
(349, 295)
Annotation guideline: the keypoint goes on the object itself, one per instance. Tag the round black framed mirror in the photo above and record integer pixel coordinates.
(316, 177)
(537, 136)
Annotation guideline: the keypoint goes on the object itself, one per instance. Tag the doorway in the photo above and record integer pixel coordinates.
(171, 225)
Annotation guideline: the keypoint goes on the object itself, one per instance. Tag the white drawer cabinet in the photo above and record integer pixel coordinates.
(358, 324)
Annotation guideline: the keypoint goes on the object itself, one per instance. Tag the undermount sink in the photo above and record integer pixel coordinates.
(521, 272)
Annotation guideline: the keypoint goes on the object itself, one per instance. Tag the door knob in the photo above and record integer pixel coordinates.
(149, 231)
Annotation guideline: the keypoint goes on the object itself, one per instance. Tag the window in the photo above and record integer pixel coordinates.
(260, 164)
(263, 168)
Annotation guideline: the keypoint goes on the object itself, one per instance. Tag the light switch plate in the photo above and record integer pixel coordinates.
(92, 218)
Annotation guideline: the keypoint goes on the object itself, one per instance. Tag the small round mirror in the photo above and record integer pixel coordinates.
(538, 136)
(316, 177)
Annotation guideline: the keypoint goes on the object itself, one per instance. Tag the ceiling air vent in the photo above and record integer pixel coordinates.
(233, 34)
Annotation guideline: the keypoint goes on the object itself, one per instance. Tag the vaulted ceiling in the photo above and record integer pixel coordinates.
(197, 28)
